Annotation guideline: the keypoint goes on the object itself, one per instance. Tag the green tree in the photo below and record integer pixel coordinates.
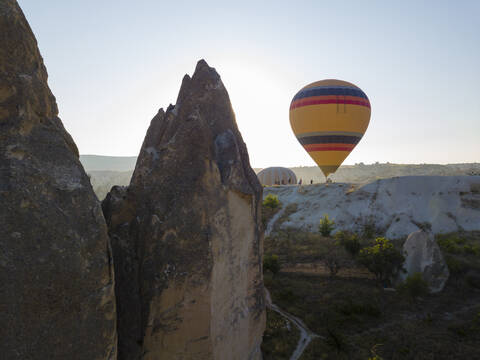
(326, 225)
(382, 259)
(271, 263)
(334, 257)
(271, 201)
(349, 241)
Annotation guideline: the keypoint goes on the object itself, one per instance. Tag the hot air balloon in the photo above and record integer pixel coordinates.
(277, 176)
(329, 118)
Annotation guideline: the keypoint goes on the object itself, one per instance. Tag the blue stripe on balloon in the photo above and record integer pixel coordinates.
(329, 139)
(330, 90)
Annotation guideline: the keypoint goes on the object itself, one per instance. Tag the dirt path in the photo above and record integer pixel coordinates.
(306, 335)
(273, 220)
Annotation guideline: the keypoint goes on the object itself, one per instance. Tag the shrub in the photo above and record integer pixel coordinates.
(349, 241)
(287, 296)
(451, 245)
(271, 201)
(336, 340)
(375, 356)
(414, 286)
(369, 229)
(457, 267)
(270, 206)
(471, 249)
(271, 263)
(351, 308)
(326, 225)
(334, 257)
(473, 279)
(382, 259)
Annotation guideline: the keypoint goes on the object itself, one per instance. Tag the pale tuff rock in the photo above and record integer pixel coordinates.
(422, 255)
(396, 207)
(57, 288)
(186, 235)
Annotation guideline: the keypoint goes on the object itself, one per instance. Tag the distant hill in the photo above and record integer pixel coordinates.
(106, 171)
(363, 174)
(108, 163)
(102, 181)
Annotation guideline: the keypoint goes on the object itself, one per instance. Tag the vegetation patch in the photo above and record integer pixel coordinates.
(326, 225)
(270, 206)
(358, 319)
(280, 337)
(382, 259)
(289, 210)
(414, 286)
(462, 255)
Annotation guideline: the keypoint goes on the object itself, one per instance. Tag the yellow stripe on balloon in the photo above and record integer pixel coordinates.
(329, 157)
(329, 82)
(326, 118)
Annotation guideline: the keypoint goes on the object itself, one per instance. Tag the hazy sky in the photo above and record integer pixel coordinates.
(112, 64)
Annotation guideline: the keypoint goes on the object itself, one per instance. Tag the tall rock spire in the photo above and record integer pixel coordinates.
(186, 235)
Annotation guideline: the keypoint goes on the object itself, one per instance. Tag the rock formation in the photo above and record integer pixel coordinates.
(396, 207)
(57, 290)
(186, 235)
(422, 255)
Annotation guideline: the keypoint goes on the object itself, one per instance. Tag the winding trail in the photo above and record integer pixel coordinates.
(273, 220)
(275, 217)
(306, 335)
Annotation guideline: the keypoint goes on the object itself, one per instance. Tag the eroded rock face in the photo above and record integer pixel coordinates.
(186, 235)
(396, 207)
(57, 288)
(422, 255)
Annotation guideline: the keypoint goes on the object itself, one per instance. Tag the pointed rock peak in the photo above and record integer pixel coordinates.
(203, 72)
(186, 79)
(204, 79)
(203, 66)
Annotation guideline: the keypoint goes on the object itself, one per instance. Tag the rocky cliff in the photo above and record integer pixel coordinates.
(57, 289)
(186, 235)
(395, 207)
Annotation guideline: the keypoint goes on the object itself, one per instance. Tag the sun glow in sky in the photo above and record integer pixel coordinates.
(113, 64)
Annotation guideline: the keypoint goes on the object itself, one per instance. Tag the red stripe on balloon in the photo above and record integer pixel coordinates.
(306, 102)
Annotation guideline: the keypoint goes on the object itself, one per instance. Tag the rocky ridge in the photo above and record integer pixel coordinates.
(396, 207)
(57, 284)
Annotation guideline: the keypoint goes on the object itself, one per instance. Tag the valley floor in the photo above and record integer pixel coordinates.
(357, 319)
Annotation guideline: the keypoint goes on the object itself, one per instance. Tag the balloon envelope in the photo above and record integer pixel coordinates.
(329, 118)
(277, 176)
